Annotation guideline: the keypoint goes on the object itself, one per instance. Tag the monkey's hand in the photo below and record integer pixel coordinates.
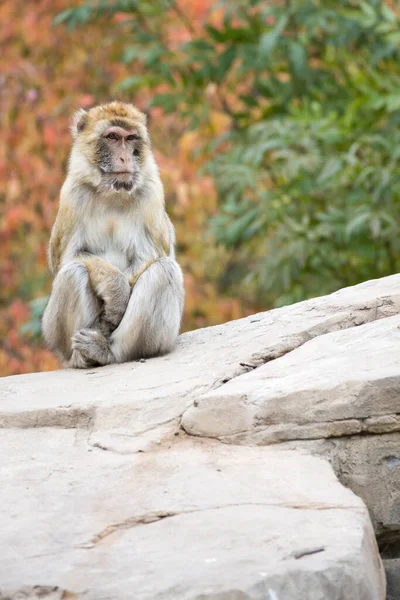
(113, 289)
(133, 276)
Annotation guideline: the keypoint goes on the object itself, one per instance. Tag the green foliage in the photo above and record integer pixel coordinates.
(308, 175)
(33, 327)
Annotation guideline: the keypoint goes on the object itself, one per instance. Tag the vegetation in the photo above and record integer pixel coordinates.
(288, 112)
(307, 171)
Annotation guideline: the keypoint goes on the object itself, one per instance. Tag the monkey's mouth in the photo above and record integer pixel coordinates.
(123, 185)
(120, 180)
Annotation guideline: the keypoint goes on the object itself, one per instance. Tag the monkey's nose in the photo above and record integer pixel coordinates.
(122, 159)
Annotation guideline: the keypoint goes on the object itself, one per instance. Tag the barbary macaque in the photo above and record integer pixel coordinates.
(117, 293)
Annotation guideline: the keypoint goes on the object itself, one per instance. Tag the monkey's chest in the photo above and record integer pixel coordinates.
(114, 257)
(121, 243)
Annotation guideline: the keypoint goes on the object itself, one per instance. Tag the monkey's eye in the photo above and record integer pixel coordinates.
(131, 138)
(112, 136)
(136, 152)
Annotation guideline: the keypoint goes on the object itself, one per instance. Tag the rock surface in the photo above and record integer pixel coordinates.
(111, 487)
(338, 384)
(392, 568)
(196, 520)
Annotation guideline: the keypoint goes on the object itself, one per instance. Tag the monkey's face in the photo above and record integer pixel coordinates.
(114, 142)
(119, 152)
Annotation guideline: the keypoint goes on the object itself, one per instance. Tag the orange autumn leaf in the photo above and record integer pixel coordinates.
(19, 312)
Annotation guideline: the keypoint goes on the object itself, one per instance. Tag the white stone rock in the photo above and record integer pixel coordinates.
(338, 384)
(104, 497)
(194, 520)
(370, 466)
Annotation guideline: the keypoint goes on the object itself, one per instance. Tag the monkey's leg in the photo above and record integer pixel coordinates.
(111, 286)
(151, 322)
(72, 305)
(87, 293)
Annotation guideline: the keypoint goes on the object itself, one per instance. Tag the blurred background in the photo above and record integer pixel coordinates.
(275, 125)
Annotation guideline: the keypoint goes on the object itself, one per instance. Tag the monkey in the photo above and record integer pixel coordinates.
(118, 291)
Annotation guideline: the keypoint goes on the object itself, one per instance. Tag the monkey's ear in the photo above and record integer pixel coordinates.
(147, 115)
(79, 122)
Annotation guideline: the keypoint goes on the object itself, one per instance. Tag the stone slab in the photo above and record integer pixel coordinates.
(338, 384)
(193, 520)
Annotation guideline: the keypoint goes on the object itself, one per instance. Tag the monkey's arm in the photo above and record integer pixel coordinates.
(63, 245)
(111, 286)
(57, 244)
(164, 244)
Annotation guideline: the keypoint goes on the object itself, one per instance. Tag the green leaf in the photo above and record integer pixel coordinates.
(387, 13)
(357, 223)
(135, 81)
(216, 34)
(152, 56)
(269, 39)
(37, 306)
(238, 229)
(132, 52)
(64, 16)
(201, 45)
(298, 59)
(74, 17)
(168, 102)
(225, 61)
(33, 327)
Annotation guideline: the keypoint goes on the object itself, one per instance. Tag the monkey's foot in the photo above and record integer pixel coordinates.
(78, 361)
(92, 347)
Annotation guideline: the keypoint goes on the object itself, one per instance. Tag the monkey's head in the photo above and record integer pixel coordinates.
(111, 145)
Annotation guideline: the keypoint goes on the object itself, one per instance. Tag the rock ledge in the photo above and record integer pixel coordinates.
(210, 473)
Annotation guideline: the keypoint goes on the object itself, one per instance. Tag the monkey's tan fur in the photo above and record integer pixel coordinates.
(118, 291)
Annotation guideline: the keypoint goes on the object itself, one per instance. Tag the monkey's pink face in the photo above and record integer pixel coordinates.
(119, 154)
